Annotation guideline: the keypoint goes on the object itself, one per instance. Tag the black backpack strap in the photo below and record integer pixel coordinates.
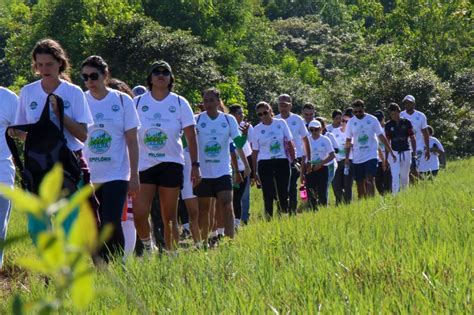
(45, 116)
(138, 101)
(198, 117)
(121, 100)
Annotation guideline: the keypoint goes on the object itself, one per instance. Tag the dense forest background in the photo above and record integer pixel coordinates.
(327, 52)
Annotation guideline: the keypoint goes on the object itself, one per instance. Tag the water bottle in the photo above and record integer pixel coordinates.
(346, 169)
(303, 193)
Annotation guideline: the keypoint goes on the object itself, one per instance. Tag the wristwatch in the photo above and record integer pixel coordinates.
(195, 164)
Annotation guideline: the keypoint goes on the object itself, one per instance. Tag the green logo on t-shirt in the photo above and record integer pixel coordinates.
(155, 139)
(363, 139)
(275, 147)
(99, 141)
(212, 149)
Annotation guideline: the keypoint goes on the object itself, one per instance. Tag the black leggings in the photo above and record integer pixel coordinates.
(274, 173)
(383, 179)
(292, 192)
(237, 198)
(342, 184)
(112, 196)
(317, 184)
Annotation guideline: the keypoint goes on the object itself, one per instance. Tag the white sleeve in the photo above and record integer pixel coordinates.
(329, 146)
(12, 108)
(131, 116)
(303, 131)
(254, 141)
(187, 116)
(440, 146)
(348, 132)
(286, 130)
(377, 127)
(234, 127)
(250, 134)
(80, 109)
(424, 122)
(20, 115)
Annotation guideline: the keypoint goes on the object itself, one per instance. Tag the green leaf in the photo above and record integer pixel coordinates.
(76, 200)
(33, 264)
(51, 185)
(51, 246)
(82, 289)
(17, 307)
(84, 230)
(23, 201)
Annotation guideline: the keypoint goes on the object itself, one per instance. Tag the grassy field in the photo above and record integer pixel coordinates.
(408, 254)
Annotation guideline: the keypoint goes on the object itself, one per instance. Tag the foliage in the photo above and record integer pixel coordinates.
(62, 257)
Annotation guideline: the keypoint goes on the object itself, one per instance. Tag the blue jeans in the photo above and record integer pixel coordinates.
(5, 210)
(246, 203)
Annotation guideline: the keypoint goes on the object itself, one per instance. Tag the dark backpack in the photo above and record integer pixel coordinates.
(45, 145)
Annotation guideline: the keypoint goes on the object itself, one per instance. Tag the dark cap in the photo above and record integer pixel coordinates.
(379, 115)
(160, 64)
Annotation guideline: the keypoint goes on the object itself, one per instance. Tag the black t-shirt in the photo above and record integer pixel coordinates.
(399, 134)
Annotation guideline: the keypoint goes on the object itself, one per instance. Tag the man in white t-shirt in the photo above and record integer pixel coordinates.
(309, 113)
(437, 158)
(362, 132)
(420, 127)
(300, 138)
(8, 108)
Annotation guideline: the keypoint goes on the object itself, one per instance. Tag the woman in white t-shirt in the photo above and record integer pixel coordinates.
(437, 157)
(271, 140)
(164, 116)
(51, 63)
(215, 131)
(8, 107)
(322, 156)
(111, 149)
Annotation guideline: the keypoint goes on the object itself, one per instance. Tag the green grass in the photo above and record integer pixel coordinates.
(408, 254)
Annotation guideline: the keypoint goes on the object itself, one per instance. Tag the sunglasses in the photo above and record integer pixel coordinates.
(314, 129)
(358, 112)
(158, 72)
(93, 76)
(345, 120)
(239, 113)
(265, 113)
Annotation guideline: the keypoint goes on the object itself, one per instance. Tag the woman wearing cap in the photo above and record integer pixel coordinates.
(322, 155)
(270, 163)
(164, 116)
(8, 108)
(111, 149)
(215, 131)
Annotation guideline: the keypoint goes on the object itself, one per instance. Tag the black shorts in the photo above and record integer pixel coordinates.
(363, 170)
(209, 187)
(165, 174)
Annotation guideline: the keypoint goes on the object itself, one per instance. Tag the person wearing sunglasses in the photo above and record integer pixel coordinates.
(164, 117)
(301, 143)
(270, 163)
(322, 155)
(344, 176)
(111, 150)
(398, 131)
(8, 108)
(362, 133)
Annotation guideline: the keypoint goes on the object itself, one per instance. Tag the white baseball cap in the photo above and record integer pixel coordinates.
(314, 124)
(409, 98)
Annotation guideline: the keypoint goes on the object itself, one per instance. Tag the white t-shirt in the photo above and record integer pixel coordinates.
(269, 140)
(364, 134)
(106, 148)
(247, 148)
(33, 98)
(214, 137)
(162, 123)
(298, 130)
(419, 122)
(433, 162)
(340, 138)
(320, 149)
(8, 108)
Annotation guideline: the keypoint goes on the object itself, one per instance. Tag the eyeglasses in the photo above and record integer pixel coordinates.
(265, 113)
(314, 129)
(158, 72)
(93, 76)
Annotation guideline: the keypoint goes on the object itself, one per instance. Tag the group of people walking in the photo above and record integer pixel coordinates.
(145, 146)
